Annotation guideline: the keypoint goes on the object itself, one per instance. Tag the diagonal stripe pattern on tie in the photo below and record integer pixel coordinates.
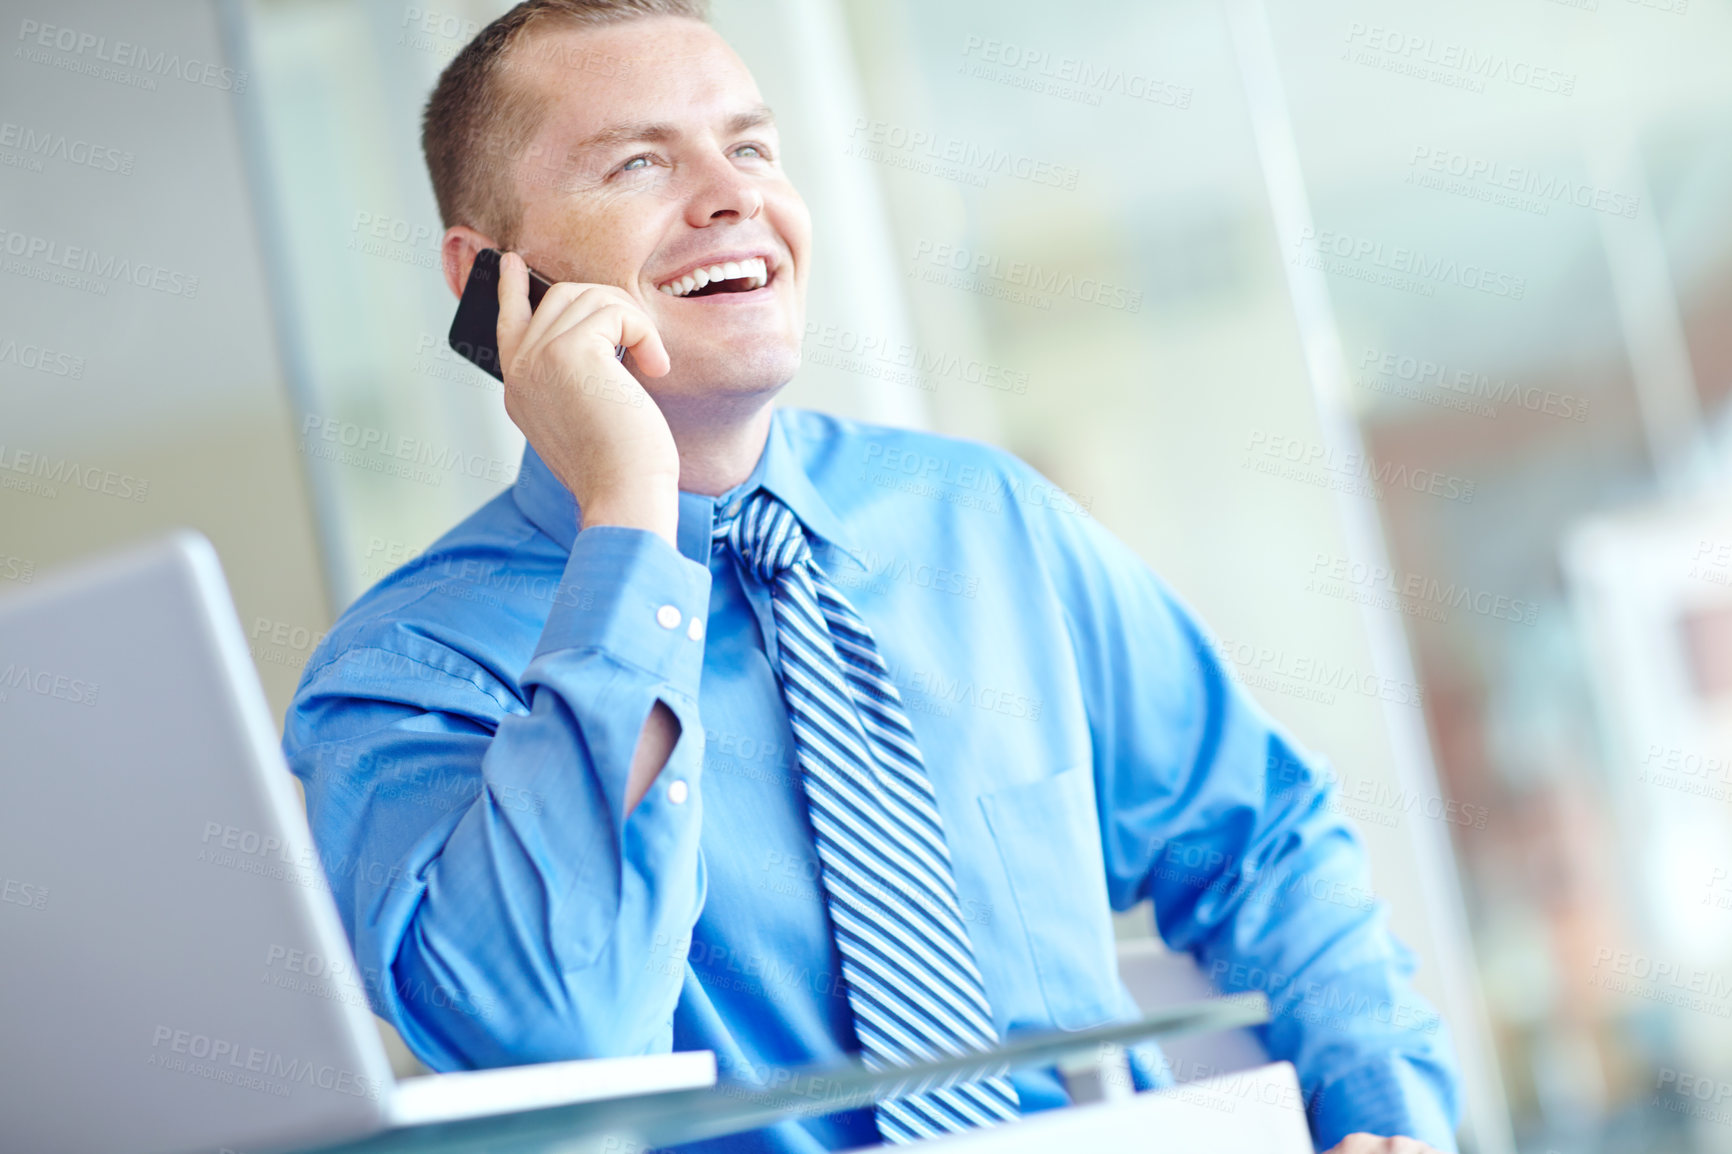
(910, 971)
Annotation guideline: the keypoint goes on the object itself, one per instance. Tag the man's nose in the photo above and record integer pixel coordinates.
(723, 193)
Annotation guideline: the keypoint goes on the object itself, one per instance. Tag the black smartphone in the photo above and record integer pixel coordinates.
(475, 328)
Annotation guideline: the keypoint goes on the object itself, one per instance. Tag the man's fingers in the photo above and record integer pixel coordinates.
(562, 306)
(514, 310)
(627, 324)
(567, 304)
(606, 313)
(608, 327)
(644, 344)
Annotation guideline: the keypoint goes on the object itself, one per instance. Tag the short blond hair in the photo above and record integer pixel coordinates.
(475, 117)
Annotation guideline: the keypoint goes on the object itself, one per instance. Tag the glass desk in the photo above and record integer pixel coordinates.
(639, 1123)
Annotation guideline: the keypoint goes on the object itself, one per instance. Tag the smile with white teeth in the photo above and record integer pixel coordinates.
(730, 276)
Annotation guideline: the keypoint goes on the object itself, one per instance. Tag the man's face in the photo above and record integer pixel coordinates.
(655, 167)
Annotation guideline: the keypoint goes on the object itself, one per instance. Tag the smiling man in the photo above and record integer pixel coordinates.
(775, 734)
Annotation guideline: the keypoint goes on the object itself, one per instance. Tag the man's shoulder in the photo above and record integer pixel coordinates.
(846, 450)
(469, 605)
(969, 485)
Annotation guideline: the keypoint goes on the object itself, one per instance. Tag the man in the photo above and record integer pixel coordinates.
(637, 757)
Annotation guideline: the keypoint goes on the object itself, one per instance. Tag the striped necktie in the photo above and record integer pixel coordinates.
(910, 972)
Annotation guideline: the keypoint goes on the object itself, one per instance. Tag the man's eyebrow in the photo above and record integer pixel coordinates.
(751, 118)
(654, 132)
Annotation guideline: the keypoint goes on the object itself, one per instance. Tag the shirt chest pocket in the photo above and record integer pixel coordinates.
(1049, 843)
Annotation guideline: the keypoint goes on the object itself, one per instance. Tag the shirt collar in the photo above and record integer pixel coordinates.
(550, 506)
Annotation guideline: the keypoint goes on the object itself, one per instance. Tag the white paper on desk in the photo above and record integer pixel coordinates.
(1255, 1111)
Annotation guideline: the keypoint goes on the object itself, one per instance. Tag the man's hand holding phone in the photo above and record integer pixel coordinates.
(588, 418)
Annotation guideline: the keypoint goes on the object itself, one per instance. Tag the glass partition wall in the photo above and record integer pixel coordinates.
(1521, 217)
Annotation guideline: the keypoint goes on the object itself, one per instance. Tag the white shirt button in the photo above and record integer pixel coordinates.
(696, 629)
(678, 791)
(669, 616)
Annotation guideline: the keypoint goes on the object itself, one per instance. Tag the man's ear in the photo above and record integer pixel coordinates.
(457, 254)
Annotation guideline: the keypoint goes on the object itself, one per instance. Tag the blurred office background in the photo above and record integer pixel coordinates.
(1397, 336)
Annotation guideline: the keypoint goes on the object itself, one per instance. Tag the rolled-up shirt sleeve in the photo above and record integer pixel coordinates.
(1209, 811)
(503, 906)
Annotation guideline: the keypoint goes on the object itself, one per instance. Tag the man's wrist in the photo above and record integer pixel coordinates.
(656, 509)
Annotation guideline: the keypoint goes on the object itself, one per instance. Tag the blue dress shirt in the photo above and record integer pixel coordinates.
(464, 734)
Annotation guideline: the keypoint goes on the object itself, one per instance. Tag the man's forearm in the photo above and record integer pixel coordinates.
(547, 917)
(565, 925)
(582, 904)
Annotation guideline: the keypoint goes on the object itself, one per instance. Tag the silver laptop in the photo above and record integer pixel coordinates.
(173, 975)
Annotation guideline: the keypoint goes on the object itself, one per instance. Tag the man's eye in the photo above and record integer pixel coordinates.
(637, 163)
(756, 151)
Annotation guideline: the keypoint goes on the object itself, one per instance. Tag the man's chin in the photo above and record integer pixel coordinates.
(737, 371)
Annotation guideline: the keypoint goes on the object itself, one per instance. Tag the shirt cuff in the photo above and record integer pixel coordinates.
(630, 594)
(1389, 1098)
